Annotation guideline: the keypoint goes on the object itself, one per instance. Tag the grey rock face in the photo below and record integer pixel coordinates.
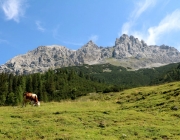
(39, 60)
(127, 52)
(130, 47)
(88, 54)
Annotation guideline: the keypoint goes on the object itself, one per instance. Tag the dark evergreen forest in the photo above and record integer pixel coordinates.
(127, 78)
(76, 81)
(53, 85)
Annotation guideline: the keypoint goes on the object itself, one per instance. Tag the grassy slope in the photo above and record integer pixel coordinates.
(139, 113)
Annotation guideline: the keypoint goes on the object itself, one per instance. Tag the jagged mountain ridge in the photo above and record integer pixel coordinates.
(128, 51)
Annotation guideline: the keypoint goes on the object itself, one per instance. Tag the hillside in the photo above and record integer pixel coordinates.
(127, 51)
(76, 81)
(172, 75)
(140, 113)
(127, 77)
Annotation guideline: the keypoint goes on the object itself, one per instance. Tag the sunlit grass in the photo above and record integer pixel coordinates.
(139, 113)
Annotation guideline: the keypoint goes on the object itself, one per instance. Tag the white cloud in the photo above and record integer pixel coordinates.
(39, 26)
(94, 38)
(169, 24)
(153, 35)
(141, 7)
(3, 41)
(125, 28)
(13, 9)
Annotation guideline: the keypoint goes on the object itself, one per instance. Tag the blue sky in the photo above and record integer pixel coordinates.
(27, 24)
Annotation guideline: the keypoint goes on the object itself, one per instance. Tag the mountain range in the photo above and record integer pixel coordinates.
(127, 51)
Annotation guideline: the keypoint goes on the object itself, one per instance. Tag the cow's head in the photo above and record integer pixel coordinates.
(35, 103)
(38, 103)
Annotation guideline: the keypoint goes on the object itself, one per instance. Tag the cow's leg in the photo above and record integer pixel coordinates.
(24, 101)
(32, 103)
(24, 104)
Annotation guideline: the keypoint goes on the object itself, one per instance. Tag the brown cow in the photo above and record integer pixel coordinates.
(31, 97)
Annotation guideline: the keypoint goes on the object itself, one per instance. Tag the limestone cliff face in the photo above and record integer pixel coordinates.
(88, 54)
(131, 47)
(127, 51)
(39, 60)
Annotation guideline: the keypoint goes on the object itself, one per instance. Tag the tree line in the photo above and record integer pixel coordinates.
(53, 85)
(76, 81)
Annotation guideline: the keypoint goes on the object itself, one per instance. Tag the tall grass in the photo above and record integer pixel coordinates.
(141, 113)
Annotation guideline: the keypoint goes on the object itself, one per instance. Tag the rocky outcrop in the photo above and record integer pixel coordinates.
(39, 60)
(126, 47)
(88, 54)
(127, 52)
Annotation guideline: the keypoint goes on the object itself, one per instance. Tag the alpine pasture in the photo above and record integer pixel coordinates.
(146, 113)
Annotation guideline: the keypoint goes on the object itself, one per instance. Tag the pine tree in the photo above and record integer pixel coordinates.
(29, 87)
(23, 83)
(40, 93)
(10, 81)
(35, 83)
(11, 99)
(50, 84)
(3, 88)
(15, 83)
(81, 74)
(18, 95)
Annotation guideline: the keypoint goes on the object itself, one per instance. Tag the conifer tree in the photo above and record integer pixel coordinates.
(10, 83)
(29, 87)
(18, 95)
(3, 88)
(23, 83)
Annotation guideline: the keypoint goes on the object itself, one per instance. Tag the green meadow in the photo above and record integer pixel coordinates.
(144, 113)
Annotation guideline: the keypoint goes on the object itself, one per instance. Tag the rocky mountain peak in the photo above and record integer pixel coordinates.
(128, 51)
(90, 42)
(125, 39)
(90, 45)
